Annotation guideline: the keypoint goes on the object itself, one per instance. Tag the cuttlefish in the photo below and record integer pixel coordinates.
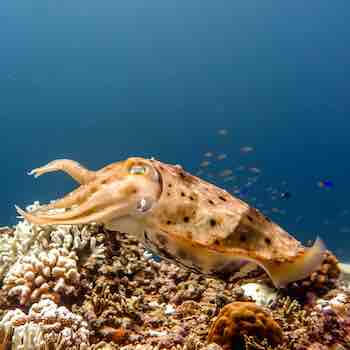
(180, 217)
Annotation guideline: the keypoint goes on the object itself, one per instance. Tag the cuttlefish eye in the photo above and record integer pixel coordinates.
(144, 169)
(137, 170)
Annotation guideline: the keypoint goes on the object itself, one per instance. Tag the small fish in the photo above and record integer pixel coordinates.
(226, 172)
(246, 149)
(205, 164)
(325, 183)
(222, 156)
(179, 217)
(285, 195)
(255, 170)
(229, 178)
(222, 132)
(240, 168)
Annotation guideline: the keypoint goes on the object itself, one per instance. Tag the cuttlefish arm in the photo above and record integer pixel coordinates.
(104, 196)
(79, 173)
(71, 167)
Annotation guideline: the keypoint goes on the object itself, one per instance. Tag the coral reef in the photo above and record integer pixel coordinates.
(48, 274)
(84, 287)
(45, 325)
(41, 262)
(243, 318)
(16, 242)
(325, 321)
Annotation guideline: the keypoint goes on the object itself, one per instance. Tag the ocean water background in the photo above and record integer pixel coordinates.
(101, 81)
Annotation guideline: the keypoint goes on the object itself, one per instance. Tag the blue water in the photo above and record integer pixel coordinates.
(101, 81)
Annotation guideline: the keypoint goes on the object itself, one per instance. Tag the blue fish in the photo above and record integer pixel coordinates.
(325, 183)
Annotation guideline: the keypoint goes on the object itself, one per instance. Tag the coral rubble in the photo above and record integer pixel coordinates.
(84, 287)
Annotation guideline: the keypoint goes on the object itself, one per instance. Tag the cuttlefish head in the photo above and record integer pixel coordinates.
(125, 189)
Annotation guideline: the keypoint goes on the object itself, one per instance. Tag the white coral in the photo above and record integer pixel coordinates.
(46, 274)
(70, 237)
(79, 239)
(45, 324)
(97, 254)
(260, 293)
(60, 325)
(7, 252)
(28, 254)
(12, 318)
(28, 336)
(17, 244)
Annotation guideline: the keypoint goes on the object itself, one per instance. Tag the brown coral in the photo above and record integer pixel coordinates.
(239, 319)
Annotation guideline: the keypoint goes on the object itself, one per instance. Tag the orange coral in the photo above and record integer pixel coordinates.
(117, 335)
(243, 318)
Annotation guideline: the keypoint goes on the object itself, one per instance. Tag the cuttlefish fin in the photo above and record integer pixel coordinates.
(71, 167)
(301, 267)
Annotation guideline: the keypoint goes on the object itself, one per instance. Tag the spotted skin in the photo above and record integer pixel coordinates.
(181, 217)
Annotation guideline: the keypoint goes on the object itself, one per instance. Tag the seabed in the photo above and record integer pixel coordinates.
(84, 287)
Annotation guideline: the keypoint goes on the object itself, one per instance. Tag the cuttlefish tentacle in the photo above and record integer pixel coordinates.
(76, 171)
(91, 207)
(80, 216)
(180, 216)
(73, 198)
(71, 167)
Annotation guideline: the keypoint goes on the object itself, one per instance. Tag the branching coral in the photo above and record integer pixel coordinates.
(17, 242)
(82, 239)
(8, 323)
(326, 323)
(47, 274)
(28, 336)
(46, 326)
(243, 318)
(46, 260)
(7, 251)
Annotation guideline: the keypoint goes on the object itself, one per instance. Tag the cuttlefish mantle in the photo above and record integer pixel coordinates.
(180, 216)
